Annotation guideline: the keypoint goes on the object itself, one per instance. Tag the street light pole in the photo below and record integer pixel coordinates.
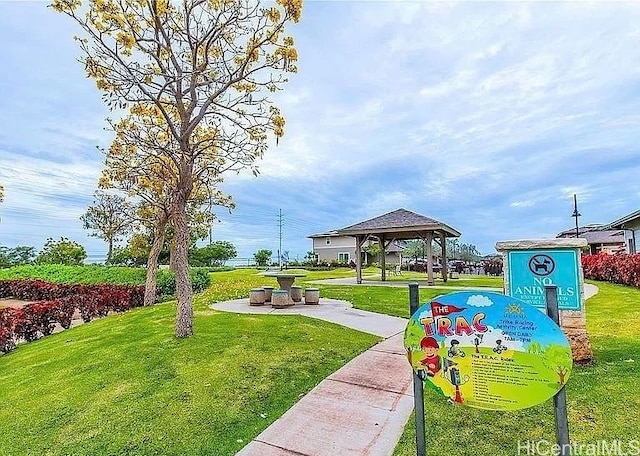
(576, 214)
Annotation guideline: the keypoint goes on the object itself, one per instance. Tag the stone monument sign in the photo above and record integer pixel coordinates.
(529, 265)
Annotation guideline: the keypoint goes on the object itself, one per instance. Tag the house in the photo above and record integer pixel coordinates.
(331, 246)
(630, 224)
(600, 238)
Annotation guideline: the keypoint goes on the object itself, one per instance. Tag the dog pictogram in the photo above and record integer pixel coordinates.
(541, 265)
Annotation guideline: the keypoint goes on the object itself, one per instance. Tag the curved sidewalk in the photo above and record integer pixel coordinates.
(361, 409)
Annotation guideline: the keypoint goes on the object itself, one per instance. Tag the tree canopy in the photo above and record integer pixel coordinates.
(109, 218)
(262, 257)
(62, 251)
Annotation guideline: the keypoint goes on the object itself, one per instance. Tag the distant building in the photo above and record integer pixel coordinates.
(331, 246)
(600, 238)
(630, 224)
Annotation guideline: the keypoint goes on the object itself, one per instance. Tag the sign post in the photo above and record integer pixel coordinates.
(560, 399)
(418, 382)
(490, 351)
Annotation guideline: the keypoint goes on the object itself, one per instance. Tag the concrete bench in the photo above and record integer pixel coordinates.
(296, 293)
(256, 297)
(312, 296)
(267, 293)
(280, 299)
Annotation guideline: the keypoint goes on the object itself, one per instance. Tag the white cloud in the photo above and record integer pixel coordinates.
(479, 301)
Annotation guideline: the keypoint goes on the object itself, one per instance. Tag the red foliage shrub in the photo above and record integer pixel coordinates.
(623, 269)
(56, 304)
(8, 337)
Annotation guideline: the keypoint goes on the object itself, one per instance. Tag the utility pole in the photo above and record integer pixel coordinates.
(280, 222)
(576, 214)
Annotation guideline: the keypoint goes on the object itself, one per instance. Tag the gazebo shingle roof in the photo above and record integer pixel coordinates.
(400, 220)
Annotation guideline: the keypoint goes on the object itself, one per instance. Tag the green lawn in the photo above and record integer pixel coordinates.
(123, 385)
(465, 280)
(602, 398)
(395, 301)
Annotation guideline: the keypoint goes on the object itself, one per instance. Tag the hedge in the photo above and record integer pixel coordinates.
(622, 269)
(56, 304)
(166, 281)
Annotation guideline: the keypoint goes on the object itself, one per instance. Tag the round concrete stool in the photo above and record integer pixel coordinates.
(256, 297)
(267, 293)
(280, 299)
(311, 296)
(296, 293)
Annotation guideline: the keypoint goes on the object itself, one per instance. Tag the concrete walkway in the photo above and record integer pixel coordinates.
(358, 410)
(333, 310)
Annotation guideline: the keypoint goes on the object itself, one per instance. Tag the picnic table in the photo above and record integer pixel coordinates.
(285, 280)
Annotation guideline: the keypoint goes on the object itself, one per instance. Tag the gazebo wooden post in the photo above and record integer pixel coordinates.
(383, 258)
(429, 239)
(359, 243)
(445, 272)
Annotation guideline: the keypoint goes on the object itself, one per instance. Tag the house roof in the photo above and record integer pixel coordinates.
(604, 237)
(619, 224)
(399, 224)
(332, 233)
(571, 232)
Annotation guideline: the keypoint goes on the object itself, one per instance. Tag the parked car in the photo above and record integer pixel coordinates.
(420, 265)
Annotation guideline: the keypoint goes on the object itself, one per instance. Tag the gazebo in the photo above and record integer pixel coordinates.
(398, 225)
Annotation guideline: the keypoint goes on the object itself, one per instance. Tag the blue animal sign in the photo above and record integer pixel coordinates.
(530, 270)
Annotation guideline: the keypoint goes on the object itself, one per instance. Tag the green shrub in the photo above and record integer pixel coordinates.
(166, 282)
(87, 275)
(200, 279)
(117, 275)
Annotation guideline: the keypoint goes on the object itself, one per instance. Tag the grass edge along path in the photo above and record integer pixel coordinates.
(124, 385)
(603, 402)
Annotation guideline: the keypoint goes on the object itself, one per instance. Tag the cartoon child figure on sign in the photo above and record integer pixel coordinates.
(499, 348)
(451, 372)
(454, 350)
(432, 361)
(477, 341)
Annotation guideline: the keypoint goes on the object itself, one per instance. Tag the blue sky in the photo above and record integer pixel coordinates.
(486, 116)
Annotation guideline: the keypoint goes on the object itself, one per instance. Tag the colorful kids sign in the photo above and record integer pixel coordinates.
(487, 350)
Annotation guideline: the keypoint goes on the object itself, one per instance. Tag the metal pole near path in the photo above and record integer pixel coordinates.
(418, 382)
(560, 399)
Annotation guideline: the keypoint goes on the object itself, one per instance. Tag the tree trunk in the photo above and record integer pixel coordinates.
(110, 252)
(180, 260)
(150, 289)
(172, 260)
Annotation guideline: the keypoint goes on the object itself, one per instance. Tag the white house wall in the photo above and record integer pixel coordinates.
(632, 232)
(343, 244)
